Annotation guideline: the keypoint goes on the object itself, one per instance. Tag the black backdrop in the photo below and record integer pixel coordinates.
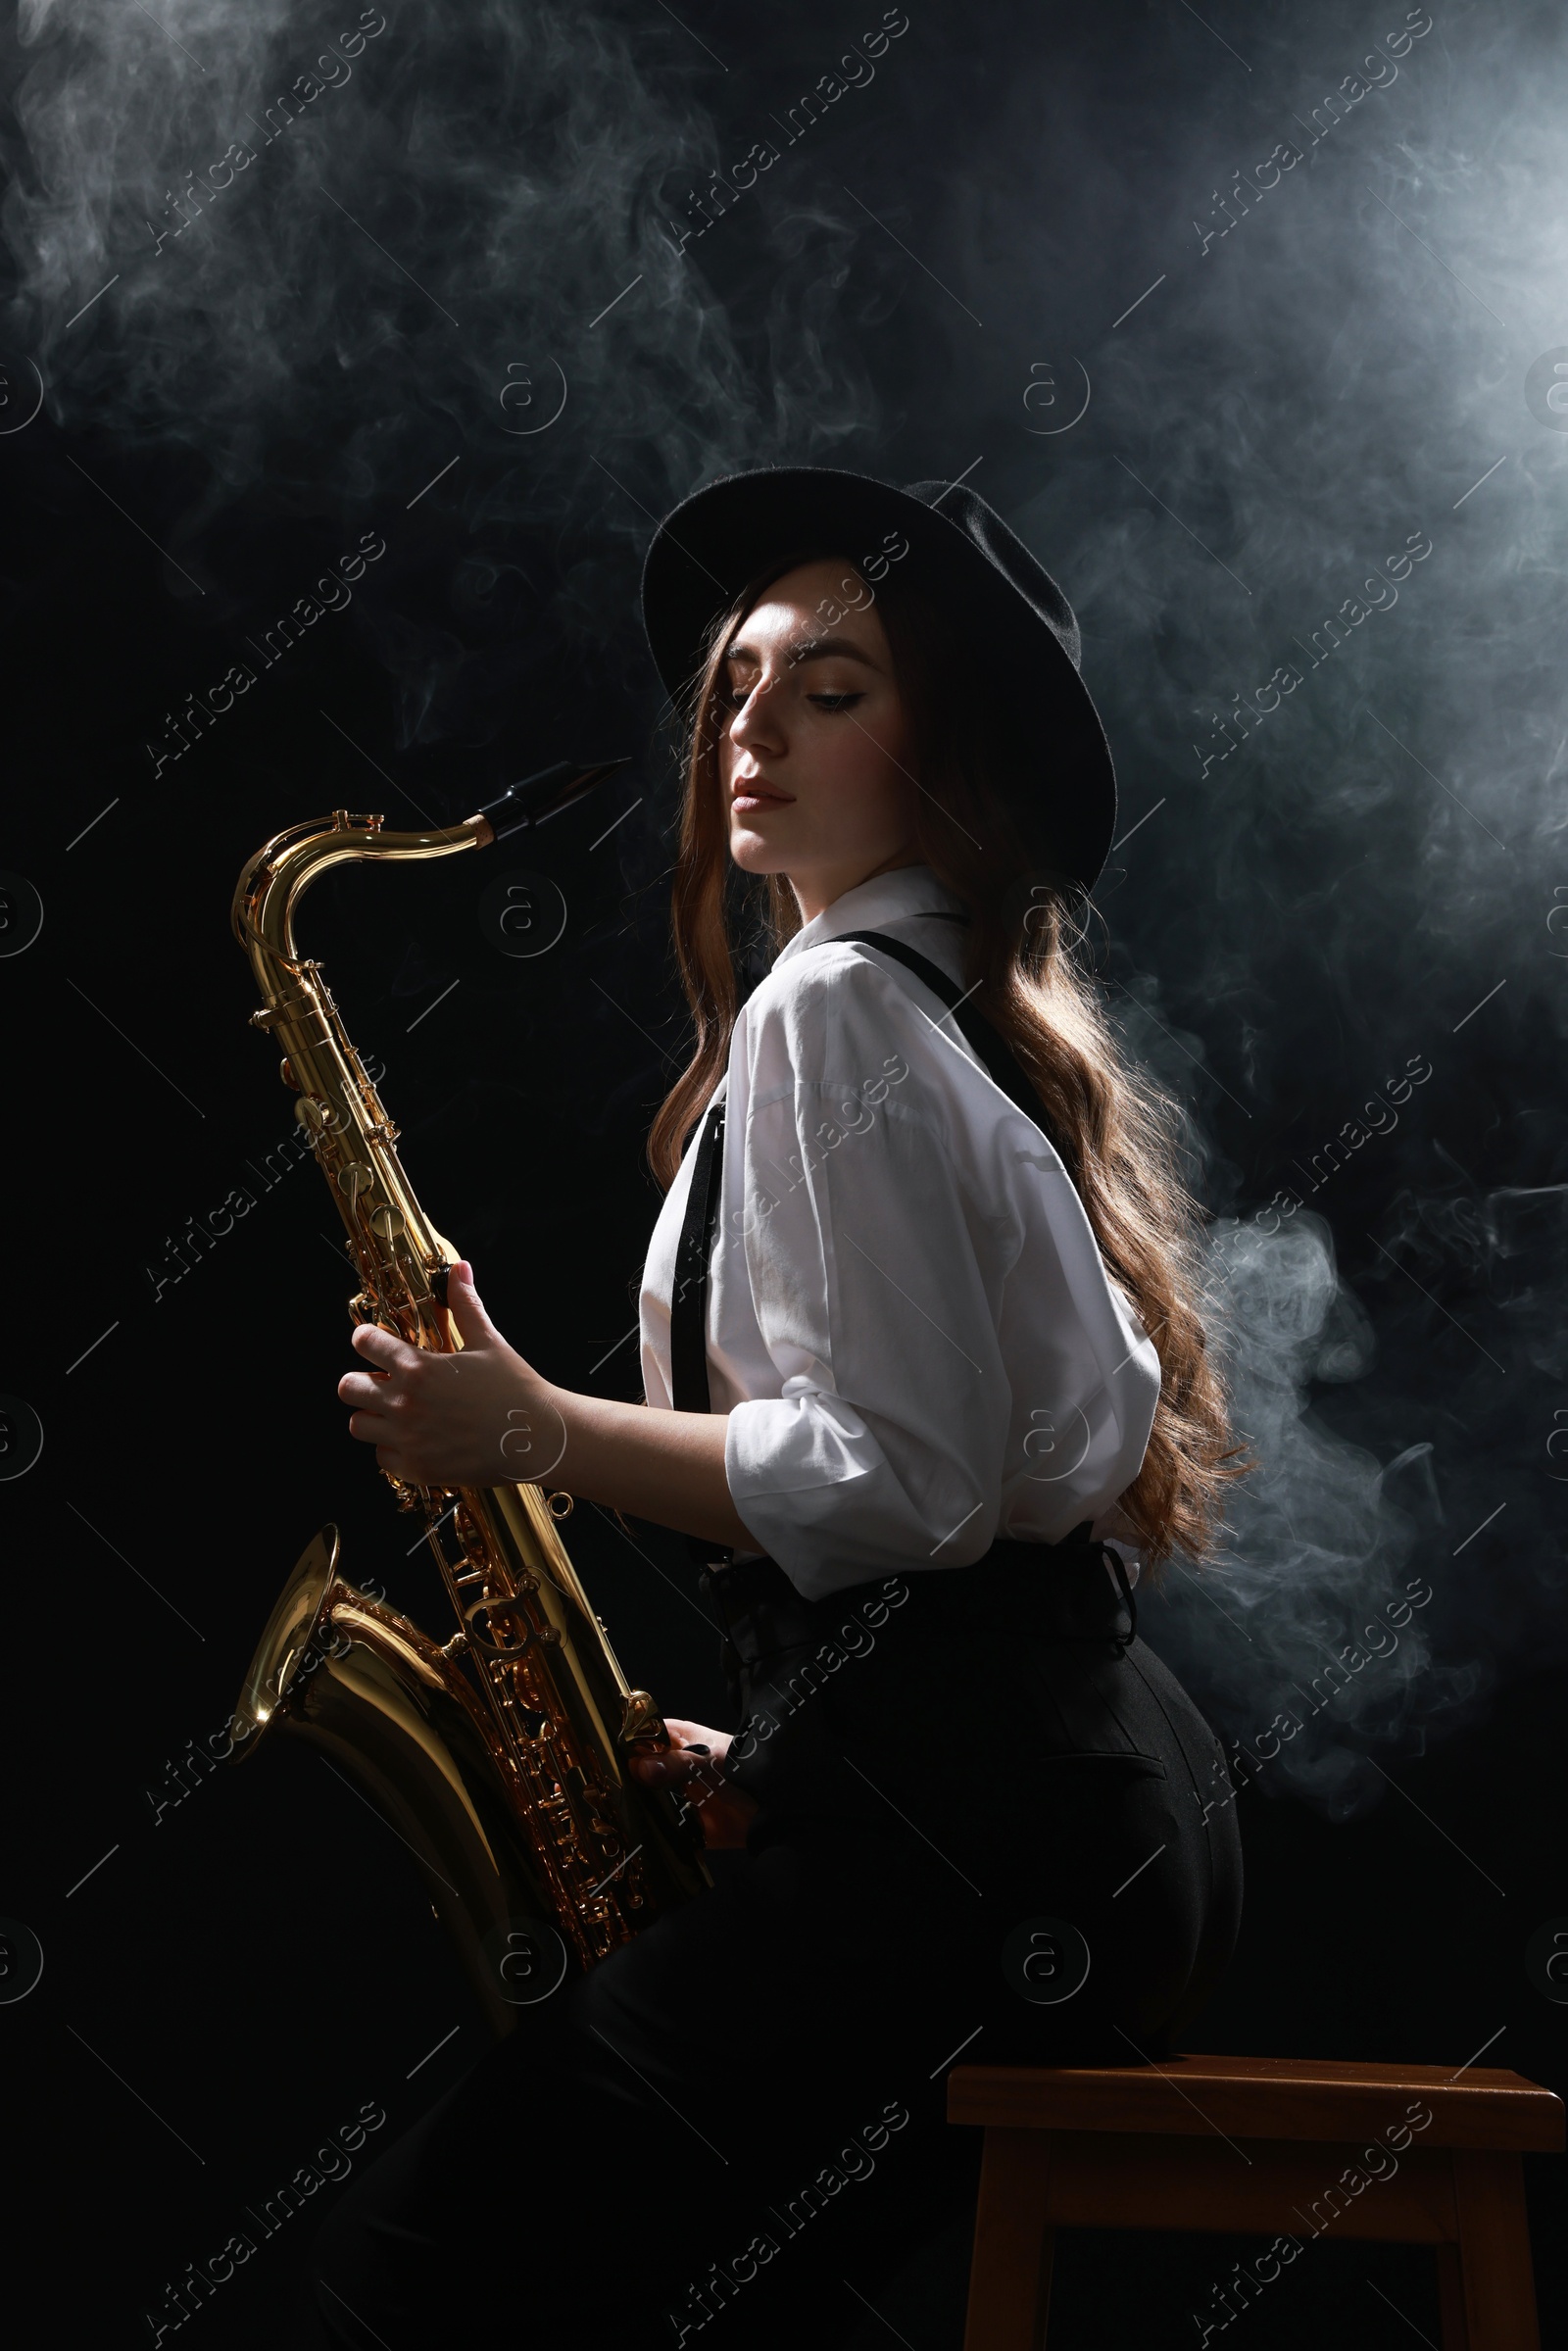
(1250, 323)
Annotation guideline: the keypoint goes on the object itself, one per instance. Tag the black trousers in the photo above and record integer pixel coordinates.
(992, 1827)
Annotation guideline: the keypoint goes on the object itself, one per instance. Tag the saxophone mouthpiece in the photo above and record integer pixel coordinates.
(543, 795)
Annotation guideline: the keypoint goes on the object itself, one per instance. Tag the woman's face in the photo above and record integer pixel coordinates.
(815, 752)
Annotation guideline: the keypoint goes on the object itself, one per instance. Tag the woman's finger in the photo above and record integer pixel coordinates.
(678, 1767)
(385, 1347)
(695, 1776)
(689, 1735)
(363, 1388)
(694, 1749)
(372, 1428)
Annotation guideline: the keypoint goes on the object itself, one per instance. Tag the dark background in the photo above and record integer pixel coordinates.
(1022, 202)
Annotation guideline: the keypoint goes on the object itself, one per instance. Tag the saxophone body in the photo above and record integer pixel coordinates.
(501, 1755)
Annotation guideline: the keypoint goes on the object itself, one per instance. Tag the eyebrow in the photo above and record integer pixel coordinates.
(810, 649)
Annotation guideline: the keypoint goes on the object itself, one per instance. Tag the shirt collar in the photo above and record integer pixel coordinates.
(906, 889)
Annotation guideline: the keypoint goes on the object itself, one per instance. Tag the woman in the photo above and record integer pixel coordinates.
(920, 1338)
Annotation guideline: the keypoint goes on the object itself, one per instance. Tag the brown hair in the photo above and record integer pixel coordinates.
(1116, 1129)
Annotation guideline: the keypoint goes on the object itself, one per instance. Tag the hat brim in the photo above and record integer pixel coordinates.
(707, 550)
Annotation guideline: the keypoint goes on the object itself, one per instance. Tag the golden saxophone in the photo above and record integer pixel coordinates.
(500, 1756)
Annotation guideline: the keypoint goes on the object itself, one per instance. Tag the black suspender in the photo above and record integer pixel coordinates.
(688, 1298)
(991, 1049)
(688, 1305)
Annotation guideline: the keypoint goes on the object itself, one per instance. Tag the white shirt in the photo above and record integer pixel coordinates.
(909, 1324)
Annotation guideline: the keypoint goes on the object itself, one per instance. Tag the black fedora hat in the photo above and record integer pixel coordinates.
(1060, 782)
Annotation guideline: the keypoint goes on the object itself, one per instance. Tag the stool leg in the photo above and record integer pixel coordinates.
(1452, 2325)
(1009, 2274)
(1498, 2282)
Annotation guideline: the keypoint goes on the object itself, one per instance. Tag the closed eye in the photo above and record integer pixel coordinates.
(735, 698)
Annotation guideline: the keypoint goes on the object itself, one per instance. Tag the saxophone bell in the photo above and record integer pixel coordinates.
(364, 1687)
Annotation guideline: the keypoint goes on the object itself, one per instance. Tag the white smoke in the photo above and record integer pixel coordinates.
(333, 252)
(1309, 1635)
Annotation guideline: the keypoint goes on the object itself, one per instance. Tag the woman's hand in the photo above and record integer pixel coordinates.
(485, 1417)
(478, 1418)
(725, 1812)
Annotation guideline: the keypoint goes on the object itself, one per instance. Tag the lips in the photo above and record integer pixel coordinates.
(759, 796)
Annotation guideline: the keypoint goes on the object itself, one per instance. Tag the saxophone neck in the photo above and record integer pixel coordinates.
(396, 1250)
(400, 1255)
(283, 869)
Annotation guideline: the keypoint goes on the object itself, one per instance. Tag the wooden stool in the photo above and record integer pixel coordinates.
(1252, 2145)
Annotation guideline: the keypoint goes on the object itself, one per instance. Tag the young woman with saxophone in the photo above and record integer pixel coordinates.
(926, 1371)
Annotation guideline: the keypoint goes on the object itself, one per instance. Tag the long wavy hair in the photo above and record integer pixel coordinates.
(1117, 1130)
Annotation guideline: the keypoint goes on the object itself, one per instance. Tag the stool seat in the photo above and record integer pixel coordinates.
(1412, 2153)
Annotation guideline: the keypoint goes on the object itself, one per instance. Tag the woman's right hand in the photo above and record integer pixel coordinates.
(698, 1780)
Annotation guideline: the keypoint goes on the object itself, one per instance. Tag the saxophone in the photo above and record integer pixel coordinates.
(498, 1756)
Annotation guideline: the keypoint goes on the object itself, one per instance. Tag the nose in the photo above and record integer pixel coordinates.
(754, 725)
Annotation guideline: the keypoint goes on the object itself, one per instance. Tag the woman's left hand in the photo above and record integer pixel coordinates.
(483, 1417)
(692, 1768)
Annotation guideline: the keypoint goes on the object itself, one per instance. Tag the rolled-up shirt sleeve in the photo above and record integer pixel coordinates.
(855, 1238)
